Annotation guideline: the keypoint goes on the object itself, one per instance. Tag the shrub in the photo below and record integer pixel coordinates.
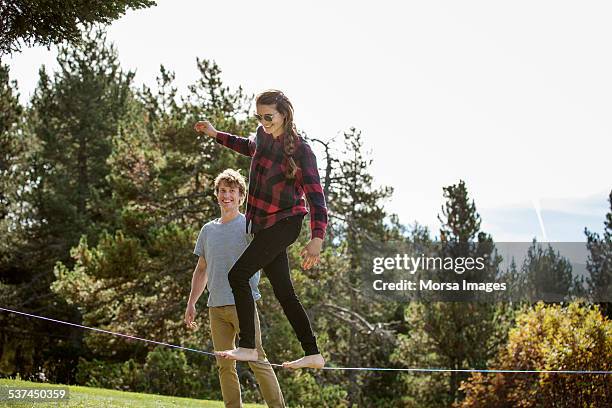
(166, 372)
(576, 337)
(125, 376)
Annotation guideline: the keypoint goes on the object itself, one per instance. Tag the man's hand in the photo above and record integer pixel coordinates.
(311, 252)
(190, 316)
(204, 126)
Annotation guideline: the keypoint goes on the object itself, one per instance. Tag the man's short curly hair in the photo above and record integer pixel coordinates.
(232, 178)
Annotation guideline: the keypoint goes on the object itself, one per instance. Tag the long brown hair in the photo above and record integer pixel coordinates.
(285, 108)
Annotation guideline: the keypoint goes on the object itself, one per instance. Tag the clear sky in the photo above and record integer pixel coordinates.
(515, 98)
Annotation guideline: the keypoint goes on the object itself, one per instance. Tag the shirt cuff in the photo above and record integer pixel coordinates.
(318, 233)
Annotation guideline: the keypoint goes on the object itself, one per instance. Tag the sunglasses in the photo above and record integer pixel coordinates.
(267, 117)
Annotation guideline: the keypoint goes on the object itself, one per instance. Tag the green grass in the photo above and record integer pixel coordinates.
(99, 397)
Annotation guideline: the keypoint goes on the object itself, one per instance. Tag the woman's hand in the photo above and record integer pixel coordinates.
(204, 126)
(190, 316)
(310, 253)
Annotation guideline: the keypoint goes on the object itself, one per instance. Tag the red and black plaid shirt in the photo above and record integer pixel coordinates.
(271, 196)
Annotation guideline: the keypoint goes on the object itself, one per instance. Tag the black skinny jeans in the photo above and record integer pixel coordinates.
(268, 250)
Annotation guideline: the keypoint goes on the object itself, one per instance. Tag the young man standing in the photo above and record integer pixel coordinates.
(219, 245)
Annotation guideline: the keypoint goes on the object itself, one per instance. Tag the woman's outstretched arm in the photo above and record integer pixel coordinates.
(242, 145)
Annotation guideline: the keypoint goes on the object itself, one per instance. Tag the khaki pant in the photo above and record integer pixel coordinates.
(224, 328)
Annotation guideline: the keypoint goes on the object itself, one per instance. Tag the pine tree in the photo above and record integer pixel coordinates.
(12, 157)
(599, 264)
(546, 276)
(11, 116)
(76, 115)
(452, 334)
(68, 129)
(36, 22)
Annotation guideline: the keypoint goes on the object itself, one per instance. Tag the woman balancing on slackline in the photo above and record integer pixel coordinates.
(283, 170)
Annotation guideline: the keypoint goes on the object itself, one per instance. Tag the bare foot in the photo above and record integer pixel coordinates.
(312, 361)
(240, 354)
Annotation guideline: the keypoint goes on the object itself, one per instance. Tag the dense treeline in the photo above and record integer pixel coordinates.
(103, 189)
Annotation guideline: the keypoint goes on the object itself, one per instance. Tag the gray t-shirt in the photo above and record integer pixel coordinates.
(221, 245)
